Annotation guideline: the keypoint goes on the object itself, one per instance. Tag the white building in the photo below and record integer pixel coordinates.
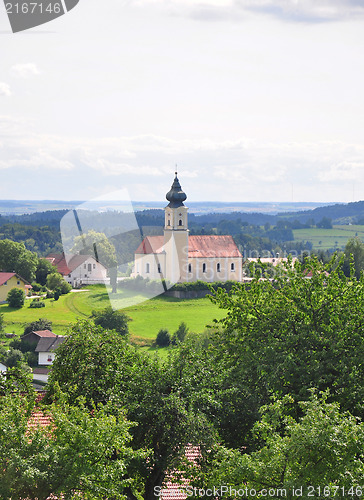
(46, 348)
(178, 257)
(79, 269)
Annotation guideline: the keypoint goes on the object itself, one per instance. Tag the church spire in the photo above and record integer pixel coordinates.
(175, 195)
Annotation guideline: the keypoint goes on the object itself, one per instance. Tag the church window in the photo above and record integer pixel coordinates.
(159, 268)
(203, 268)
(232, 266)
(168, 223)
(180, 222)
(218, 267)
(189, 268)
(147, 268)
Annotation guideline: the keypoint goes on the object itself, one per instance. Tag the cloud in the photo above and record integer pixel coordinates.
(5, 89)
(24, 70)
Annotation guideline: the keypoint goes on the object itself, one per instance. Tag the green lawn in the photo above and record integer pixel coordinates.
(325, 239)
(147, 317)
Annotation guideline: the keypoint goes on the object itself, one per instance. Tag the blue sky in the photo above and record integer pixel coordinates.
(255, 100)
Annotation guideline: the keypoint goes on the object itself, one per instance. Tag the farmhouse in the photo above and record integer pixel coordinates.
(79, 269)
(9, 281)
(178, 257)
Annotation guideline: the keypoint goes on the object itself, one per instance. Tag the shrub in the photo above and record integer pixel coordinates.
(163, 338)
(180, 334)
(36, 304)
(111, 320)
(16, 297)
(50, 294)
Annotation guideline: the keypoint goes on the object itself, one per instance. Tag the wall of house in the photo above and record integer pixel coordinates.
(41, 377)
(146, 265)
(206, 269)
(45, 358)
(91, 272)
(3, 368)
(13, 282)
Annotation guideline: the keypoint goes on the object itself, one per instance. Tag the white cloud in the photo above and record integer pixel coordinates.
(24, 70)
(5, 89)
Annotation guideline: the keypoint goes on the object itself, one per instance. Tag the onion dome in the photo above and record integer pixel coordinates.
(176, 196)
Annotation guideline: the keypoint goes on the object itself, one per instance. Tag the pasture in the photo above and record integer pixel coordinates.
(326, 239)
(147, 317)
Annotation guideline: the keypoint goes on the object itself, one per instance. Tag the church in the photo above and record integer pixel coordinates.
(178, 257)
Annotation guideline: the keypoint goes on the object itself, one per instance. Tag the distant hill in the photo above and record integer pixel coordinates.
(340, 213)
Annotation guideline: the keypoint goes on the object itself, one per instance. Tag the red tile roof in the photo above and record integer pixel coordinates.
(151, 244)
(4, 277)
(45, 333)
(212, 246)
(203, 246)
(74, 261)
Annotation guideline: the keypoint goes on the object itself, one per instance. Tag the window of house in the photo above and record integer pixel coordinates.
(232, 266)
(84, 266)
(18, 282)
(94, 266)
(85, 275)
(203, 268)
(49, 358)
(180, 222)
(168, 223)
(89, 268)
(218, 267)
(147, 268)
(5, 283)
(190, 268)
(159, 268)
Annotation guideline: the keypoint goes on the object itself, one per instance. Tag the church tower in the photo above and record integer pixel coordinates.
(176, 234)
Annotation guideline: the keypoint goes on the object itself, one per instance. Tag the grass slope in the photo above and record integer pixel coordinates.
(325, 239)
(147, 317)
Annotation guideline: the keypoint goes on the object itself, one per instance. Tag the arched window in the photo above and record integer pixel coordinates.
(168, 223)
(147, 268)
(232, 266)
(203, 268)
(180, 223)
(190, 268)
(218, 267)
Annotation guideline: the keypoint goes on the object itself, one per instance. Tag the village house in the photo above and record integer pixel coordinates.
(46, 348)
(79, 269)
(12, 280)
(178, 257)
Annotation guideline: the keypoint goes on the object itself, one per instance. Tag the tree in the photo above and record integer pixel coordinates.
(324, 447)
(2, 322)
(354, 251)
(55, 281)
(12, 358)
(14, 257)
(112, 320)
(44, 268)
(38, 325)
(180, 334)
(97, 244)
(163, 338)
(295, 333)
(324, 223)
(78, 454)
(16, 297)
(102, 367)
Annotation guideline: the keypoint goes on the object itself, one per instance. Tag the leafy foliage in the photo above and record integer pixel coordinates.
(112, 320)
(14, 257)
(163, 338)
(16, 297)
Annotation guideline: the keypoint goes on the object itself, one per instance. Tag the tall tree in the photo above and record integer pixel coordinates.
(14, 257)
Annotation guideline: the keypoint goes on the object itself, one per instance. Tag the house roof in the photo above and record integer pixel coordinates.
(45, 333)
(203, 246)
(49, 344)
(151, 244)
(67, 264)
(4, 277)
(212, 246)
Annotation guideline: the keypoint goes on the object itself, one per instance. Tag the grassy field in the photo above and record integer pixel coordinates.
(147, 317)
(325, 239)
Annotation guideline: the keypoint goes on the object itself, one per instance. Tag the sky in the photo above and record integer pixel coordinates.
(254, 100)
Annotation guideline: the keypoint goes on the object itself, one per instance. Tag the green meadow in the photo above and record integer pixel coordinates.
(326, 239)
(147, 317)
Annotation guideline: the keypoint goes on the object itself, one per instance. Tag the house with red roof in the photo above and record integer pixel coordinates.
(79, 269)
(9, 281)
(178, 257)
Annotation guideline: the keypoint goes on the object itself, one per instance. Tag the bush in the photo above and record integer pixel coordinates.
(16, 297)
(111, 320)
(163, 338)
(36, 304)
(50, 295)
